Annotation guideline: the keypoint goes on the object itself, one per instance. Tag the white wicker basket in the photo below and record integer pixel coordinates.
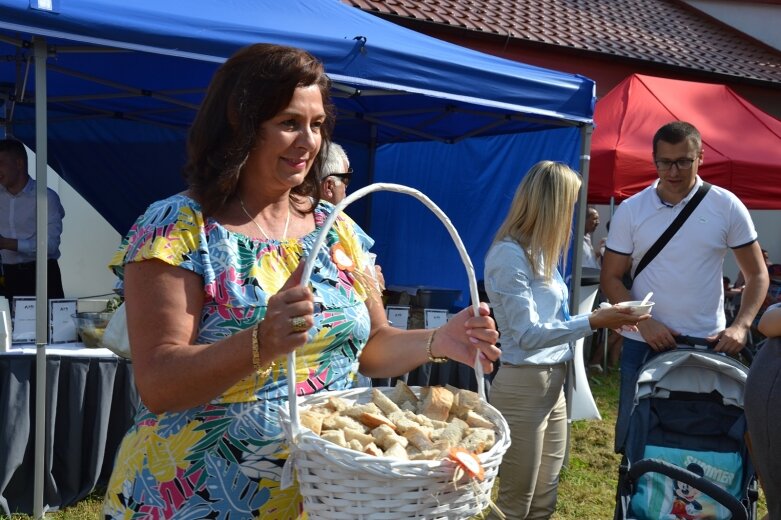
(339, 483)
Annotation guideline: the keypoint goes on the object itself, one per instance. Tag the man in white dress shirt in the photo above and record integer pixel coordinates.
(18, 226)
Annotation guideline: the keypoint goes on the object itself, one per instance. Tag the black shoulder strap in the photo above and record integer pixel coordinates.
(672, 228)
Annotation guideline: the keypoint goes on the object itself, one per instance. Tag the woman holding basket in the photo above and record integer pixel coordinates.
(529, 299)
(211, 280)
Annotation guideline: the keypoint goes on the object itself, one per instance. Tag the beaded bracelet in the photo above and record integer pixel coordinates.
(259, 370)
(432, 357)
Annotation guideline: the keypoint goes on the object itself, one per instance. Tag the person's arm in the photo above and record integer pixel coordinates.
(391, 352)
(508, 282)
(614, 265)
(11, 244)
(164, 305)
(770, 323)
(752, 265)
(507, 278)
(55, 214)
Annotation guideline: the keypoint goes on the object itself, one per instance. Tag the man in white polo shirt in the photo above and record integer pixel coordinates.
(686, 275)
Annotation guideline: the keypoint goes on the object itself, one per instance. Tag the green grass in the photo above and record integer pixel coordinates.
(587, 487)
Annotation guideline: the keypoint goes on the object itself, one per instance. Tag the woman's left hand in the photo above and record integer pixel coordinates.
(465, 334)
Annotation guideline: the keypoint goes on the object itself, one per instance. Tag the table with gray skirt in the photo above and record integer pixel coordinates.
(90, 404)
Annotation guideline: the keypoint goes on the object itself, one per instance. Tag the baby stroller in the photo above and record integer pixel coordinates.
(685, 453)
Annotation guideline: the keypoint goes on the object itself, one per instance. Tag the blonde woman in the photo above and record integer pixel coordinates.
(529, 299)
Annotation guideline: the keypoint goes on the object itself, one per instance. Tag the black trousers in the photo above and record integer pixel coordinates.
(20, 280)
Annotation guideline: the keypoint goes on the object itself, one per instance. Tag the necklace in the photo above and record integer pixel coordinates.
(287, 221)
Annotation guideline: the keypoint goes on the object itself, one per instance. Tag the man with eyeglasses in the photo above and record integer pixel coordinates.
(335, 174)
(686, 275)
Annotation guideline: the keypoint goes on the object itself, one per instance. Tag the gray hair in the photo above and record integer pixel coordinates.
(335, 157)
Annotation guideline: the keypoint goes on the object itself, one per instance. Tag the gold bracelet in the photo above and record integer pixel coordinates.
(259, 370)
(432, 357)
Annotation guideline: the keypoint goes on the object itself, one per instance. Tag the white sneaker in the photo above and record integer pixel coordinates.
(596, 368)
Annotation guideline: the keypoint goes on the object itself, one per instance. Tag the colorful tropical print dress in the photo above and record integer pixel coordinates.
(223, 460)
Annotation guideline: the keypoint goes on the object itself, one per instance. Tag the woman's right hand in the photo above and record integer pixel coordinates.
(614, 317)
(277, 333)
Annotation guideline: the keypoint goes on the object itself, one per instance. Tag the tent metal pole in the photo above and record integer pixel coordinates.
(135, 91)
(577, 253)
(607, 332)
(41, 296)
(580, 218)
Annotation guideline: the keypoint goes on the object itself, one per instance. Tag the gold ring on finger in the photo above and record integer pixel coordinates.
(299, 324)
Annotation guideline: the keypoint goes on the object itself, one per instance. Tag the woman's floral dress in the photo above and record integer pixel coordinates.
(224, 459)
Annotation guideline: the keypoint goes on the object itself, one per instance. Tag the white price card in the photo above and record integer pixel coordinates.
(62, 328)
(398, 316)
(434, 318)
(24, 319)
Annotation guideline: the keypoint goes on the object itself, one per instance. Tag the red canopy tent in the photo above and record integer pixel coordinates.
(741, 144)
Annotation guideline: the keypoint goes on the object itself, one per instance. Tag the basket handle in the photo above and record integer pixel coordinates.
(309, 265)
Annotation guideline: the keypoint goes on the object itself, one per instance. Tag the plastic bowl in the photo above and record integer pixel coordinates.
(637, 308)
(91, 326)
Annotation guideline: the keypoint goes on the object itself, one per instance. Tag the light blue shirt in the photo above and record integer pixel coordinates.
(530, 313)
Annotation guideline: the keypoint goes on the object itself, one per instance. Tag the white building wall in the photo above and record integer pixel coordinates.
(760, 20)
(88, 242)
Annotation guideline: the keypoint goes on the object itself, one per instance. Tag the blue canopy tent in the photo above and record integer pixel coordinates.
(123, 81)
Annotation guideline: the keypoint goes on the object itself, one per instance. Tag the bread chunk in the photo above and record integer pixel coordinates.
(397, 451)
(402, 422)
(403, 394)
(312, 420)
(342, 422)
(478, 440)
(476, 420)
(337, 404)
(335, 436)
(403, 426)
(384, 436)
(419, 438)
(383, 402)
(364, 438)
(451, 435)
(372, 449)
(359, 409)
(464, 401)
(436, 402)
(372, 420)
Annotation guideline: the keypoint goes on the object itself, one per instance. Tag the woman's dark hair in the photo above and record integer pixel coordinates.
(253, 86)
